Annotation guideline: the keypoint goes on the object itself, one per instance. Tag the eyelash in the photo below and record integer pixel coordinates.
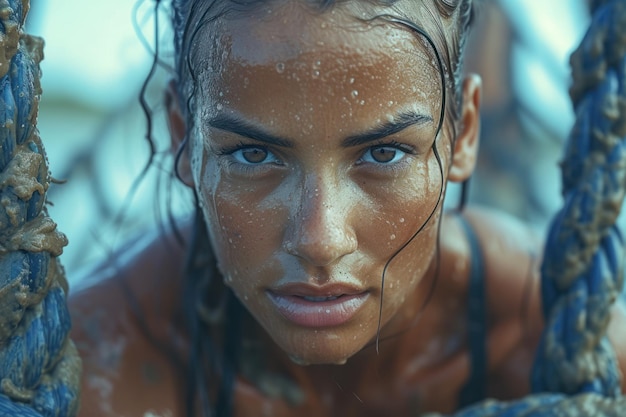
(402, 147)
(248, 167)
(229, 151)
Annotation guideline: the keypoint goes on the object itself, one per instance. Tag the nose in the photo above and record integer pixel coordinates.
(320, 231)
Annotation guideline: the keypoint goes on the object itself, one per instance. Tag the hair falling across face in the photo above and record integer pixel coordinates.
(319, 155)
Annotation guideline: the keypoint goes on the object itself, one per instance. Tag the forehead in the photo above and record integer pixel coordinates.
(293, 30)
(293, 59)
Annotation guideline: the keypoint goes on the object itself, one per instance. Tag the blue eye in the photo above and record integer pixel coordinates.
(383, 155)
(252, 155)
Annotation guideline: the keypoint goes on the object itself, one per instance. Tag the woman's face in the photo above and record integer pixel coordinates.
(313, 161)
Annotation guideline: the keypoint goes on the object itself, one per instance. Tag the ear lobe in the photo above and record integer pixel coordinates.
(466, 145)
(178, 131)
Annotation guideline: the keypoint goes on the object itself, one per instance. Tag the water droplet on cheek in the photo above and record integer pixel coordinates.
(315, 74)
(355, 93)
(401, 219)
(280, 67)
(392, 237)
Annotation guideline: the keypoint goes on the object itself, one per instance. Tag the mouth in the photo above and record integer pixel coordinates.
(317, 307)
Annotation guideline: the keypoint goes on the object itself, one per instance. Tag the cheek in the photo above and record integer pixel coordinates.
(405, 207)
(403, 230)
(245, 229)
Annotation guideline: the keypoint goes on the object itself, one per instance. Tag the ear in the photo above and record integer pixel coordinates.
(466, 145)
(178, 131)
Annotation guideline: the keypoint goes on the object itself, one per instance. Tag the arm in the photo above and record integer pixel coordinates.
(125, 372)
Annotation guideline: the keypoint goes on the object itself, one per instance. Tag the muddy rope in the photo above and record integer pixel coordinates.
(576, 371)
(39, 365)
(582, 272)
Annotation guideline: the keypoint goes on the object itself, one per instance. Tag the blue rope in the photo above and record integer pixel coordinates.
(39, 366)
(576, 371)
(582, 272)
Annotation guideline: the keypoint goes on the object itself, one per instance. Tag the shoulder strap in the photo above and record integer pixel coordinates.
(474, 389)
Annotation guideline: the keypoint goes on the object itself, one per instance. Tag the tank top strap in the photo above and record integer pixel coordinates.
(475, 387)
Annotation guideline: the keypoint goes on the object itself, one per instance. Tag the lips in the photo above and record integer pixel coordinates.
(317, 307)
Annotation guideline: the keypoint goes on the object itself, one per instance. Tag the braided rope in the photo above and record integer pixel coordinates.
(582, 272)
(576, 371)
(39, 365)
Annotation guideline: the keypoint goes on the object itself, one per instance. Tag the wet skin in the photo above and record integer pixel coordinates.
(314, 164)
(295, 206)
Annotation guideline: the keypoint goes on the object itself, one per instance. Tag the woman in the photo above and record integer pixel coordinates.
(320, 276)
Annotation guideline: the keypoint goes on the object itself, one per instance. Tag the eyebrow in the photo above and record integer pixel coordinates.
(234, 124)
(398, 124)
(238, 126)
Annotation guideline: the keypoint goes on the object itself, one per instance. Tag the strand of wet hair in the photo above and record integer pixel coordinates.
(421, 32)
(576, 370)
(39, 366)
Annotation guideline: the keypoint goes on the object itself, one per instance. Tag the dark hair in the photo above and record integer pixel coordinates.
(215, 340)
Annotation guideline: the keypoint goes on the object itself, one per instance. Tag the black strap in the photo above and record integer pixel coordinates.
(475, 387)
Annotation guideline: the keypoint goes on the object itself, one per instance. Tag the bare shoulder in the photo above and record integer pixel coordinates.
(511, 252)
(122, 326)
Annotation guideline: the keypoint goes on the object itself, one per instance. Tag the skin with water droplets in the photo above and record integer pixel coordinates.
(310, 202)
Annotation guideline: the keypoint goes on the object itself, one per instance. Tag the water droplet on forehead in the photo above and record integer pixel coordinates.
(280, 67)
(355, 93)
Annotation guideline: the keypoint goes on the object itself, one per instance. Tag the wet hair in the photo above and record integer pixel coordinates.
(214, 316)
(190, 17)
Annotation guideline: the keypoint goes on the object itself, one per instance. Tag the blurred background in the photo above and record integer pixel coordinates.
(98, 55)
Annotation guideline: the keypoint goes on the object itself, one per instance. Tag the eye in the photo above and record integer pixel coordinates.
(383, 155)
(254, 155)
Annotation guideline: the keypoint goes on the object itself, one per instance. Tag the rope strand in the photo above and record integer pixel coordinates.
(39, 365)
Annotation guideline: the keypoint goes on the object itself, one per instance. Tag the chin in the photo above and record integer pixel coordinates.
(302, 361)
(324, 348)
